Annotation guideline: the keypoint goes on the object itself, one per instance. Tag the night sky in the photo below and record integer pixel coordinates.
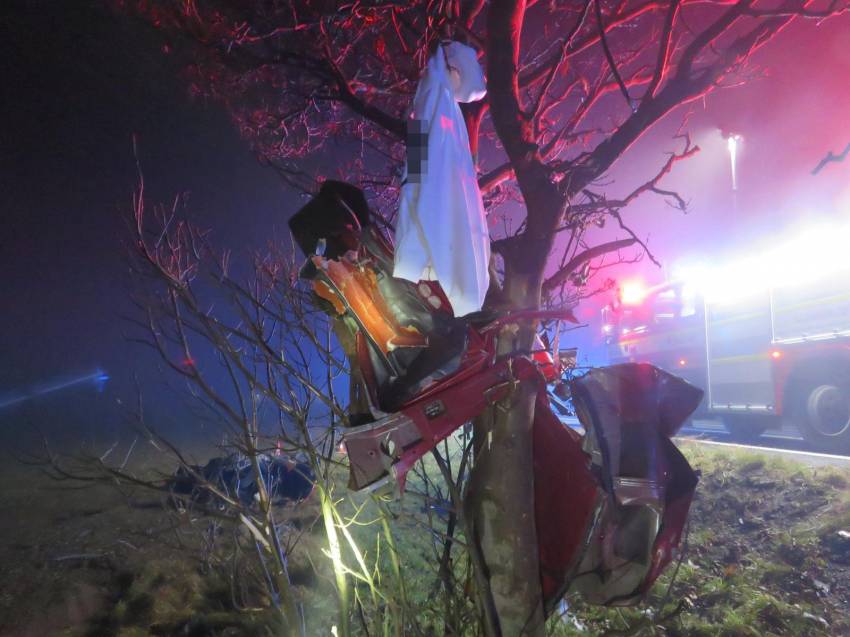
(78, 82)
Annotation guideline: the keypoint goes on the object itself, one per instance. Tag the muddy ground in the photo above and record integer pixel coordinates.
(768, 554)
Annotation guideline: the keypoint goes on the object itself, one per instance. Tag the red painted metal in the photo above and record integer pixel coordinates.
(386, 450)
(584, 486)
(680, 481)
(575, 501)
(566, 496)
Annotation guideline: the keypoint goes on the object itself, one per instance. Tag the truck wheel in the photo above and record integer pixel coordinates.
(747, 427)
(823, 415)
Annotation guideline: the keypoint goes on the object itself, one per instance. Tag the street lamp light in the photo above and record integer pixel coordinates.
(732, 142)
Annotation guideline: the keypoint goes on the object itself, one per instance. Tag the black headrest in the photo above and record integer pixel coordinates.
(336, 214)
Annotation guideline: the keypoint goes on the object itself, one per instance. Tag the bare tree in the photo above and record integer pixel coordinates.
(322, 87)
(271, 384)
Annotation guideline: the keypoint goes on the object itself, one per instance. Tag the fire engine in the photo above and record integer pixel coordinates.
(767, 337)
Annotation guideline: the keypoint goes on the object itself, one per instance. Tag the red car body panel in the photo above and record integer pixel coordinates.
(566, 495)
(610, 505)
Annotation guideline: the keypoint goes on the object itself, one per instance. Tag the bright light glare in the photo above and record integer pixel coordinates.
(632, 293)
(732, 145)
(811, 254)
(776, 354)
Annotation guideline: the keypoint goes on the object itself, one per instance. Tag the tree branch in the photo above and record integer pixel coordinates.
(684, 87)
(489, 180)
(561, 276)
(394, 125)
(544, 203)
(830, 158)
(553, 71)
(612, 64)
(530, 76)
(664, 49)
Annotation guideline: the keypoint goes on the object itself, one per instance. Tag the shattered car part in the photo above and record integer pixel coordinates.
(610, 505)
(611, 533)
(382, 452)
(630, 412)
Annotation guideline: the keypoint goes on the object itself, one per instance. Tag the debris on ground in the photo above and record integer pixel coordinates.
(285, 479)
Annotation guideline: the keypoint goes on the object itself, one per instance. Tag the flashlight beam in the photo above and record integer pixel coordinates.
(99, 377)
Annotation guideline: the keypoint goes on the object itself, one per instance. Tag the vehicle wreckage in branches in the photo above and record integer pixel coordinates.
(572, 87)
(610, 505)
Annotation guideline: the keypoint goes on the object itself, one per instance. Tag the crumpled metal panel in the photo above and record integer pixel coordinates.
(629, 412)
(610, 506)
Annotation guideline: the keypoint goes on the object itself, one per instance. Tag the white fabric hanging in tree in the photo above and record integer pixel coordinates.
(441, 232)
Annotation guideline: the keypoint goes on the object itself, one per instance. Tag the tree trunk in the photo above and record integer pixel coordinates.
(500, 500)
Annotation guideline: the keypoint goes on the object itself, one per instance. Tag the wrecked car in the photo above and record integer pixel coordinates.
(610, 503)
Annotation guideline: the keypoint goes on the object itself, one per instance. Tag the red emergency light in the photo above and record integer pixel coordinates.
(632, 293)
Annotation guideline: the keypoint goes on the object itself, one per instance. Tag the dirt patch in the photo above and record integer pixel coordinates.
(80, 603)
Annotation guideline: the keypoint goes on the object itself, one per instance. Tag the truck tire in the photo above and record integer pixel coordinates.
(747, 427)
(822, 412)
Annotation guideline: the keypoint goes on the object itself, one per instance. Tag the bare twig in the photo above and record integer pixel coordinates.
(830, 158)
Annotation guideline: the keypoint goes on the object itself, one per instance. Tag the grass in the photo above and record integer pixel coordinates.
(758, 560)
(765, 558)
